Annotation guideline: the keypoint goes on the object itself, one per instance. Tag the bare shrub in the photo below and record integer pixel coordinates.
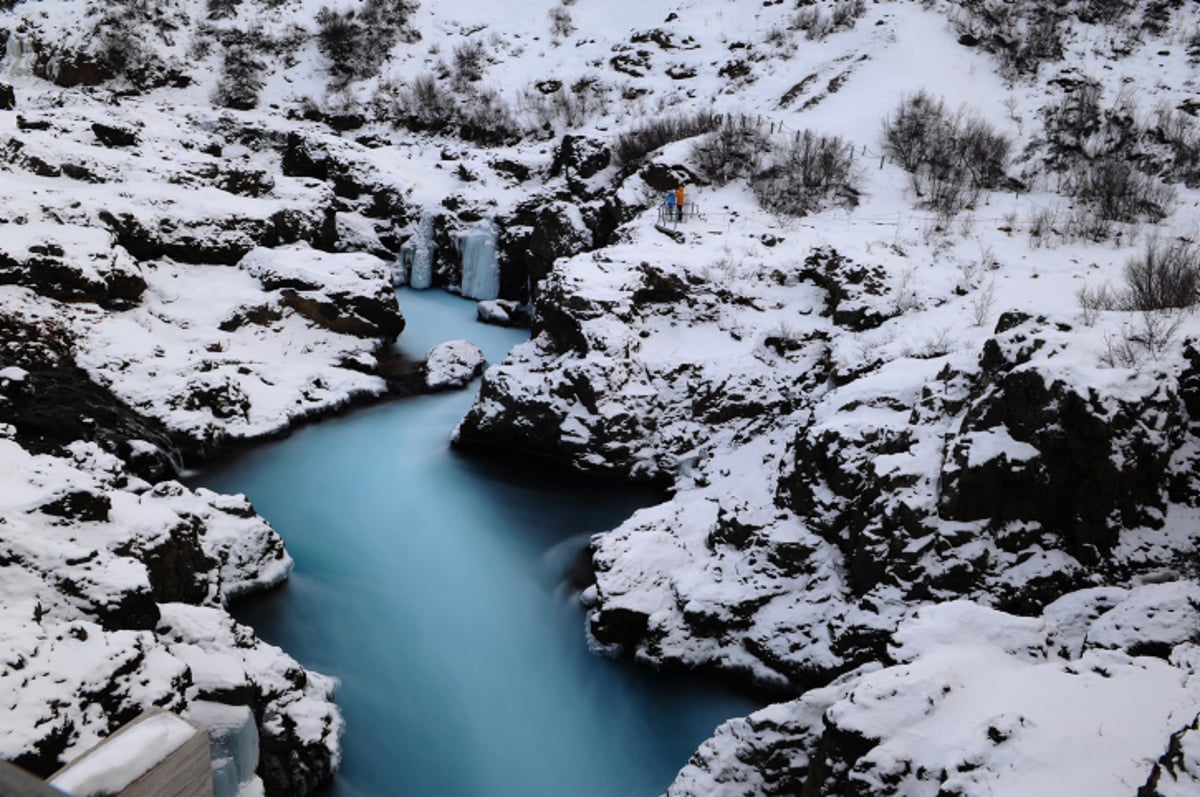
(734, 149)
(983, 302)
(1122, 193)
(356, 43)
(801, 176)
(241, 78)
(907, 133)
(1022, 34)
(561, 24)
(846, 13)
(1104, 11)
(633, 145)
(1041, 225)
(1164, 276)
(120, 48)
(905, 293)
(425, 105)
(484, 117)
(1076, 116)
(550, 103)
(817, 23)
(1094, 300)
(469, 62)
(1041, 42)
(951, 156)
(1178, 131)
(1085, 223)
(1133, 346)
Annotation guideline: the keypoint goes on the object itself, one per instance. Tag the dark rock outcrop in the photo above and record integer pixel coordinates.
(114, 136)
(55, 403)
(107, 279)
(1028, 458)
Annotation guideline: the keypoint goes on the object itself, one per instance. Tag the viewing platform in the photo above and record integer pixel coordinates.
(158, 754)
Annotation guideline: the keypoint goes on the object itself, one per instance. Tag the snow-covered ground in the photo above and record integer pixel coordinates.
(924, 477)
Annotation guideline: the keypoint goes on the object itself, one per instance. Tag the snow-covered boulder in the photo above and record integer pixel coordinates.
(977, 703)
(452, 365)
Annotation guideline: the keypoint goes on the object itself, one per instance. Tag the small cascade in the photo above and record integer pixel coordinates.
(416, 256)
(480, 268)
(233, 739)
(18, 58)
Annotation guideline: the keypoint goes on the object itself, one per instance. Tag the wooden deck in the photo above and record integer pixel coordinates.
(184, 772)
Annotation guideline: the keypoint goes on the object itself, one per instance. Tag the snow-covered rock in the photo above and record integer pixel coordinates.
(867, 415)
(978, 702)
(112, 602)
(452, 364)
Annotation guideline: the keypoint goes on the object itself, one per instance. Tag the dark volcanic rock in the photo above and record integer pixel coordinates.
(580, 158)
(111, 282)
(532, 238)
(287, 764)
(848, 288)
(56, 403)
(79, 505)
(1086, 465)
(8, 100)
(113, 136)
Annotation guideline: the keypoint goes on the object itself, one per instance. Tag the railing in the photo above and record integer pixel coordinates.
(669, 214)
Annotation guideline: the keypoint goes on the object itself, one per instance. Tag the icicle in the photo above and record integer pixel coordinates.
(480, 268)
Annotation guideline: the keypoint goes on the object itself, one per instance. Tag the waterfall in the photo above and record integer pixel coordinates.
(18, 57)
(233, 740)
(416, 256)
(480, 268)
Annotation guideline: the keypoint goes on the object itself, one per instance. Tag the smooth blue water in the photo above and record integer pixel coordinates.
(431, 584)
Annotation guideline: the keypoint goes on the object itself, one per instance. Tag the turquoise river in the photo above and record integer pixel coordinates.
(432, 585)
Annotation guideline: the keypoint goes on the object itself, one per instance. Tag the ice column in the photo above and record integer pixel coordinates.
(233, 739)
(480, 268)
(417, 254)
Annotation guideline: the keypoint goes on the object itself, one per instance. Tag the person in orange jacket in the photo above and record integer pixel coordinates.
(679, 202)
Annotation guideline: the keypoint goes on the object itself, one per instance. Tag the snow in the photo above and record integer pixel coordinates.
(125, 756)
(720, 394)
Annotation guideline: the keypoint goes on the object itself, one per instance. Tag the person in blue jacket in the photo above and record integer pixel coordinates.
(669, 201)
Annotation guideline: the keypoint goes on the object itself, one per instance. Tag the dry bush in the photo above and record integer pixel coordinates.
(734, 149)
(633, 145)
(952, 156)
(801, 176)
(1165, 276)
(1119, 192)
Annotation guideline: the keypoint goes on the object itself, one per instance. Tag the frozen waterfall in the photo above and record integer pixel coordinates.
(480, 268)
(18, 58)
(417, 254)
(233, 739)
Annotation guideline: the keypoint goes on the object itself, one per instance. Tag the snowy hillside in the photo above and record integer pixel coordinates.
(919, 362)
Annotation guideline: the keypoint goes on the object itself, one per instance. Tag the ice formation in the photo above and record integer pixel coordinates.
(417, 254)
(480, 268)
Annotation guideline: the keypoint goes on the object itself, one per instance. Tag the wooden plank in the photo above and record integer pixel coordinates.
(187, 772)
